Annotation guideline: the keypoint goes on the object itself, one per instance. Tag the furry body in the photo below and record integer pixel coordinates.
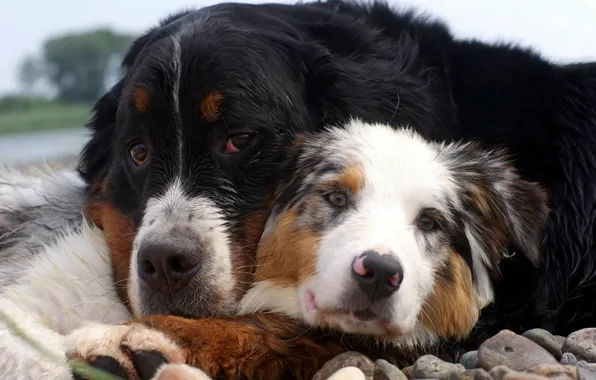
(54, 267)
(34, 207)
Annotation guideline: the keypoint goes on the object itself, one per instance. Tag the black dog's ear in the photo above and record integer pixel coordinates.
(337, 81)
(338, 86)
(98, 153)
(354, 70)
(320, 78)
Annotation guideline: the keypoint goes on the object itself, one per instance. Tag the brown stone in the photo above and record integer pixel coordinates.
(408, 371)
(431, 367)
(546, 340)
(512, 350)
(582, 344)
(501, 372)
(347, 359)
(555, 371)
(387, 371)
(471, 374)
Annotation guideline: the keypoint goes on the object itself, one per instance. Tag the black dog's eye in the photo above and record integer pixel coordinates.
(139, 154)
(427, 222)
(236, 143)
(337, 199)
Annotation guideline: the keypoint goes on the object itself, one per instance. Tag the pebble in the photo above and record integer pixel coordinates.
(555, 371)
(408, 371)
(560, 339)
(582, 344)
(502, 372)
(348, 373)
(514, 351)
(534, 355)
(469, 360)
(429, 366)
(387, 371)
(546, 340)
(347, 359)
(587, 369)
(568, 359)
(471, 374)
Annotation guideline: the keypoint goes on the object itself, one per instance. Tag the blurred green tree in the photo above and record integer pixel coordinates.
(77, 65)
(30, 72)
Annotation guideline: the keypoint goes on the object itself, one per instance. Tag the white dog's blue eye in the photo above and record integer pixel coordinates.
(426, 223)
(337, 199)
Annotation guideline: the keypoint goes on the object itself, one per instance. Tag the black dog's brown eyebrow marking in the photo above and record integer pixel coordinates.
(140, 99)
(211, 106)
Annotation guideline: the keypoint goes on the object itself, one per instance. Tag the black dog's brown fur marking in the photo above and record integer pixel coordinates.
(267, 346)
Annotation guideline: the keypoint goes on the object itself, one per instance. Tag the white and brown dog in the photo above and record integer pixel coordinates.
(375, 232)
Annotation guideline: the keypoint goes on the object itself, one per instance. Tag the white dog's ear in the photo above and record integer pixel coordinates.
(527, 215)
(504, 213)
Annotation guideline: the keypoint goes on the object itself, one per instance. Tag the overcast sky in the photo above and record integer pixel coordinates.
(561, 30)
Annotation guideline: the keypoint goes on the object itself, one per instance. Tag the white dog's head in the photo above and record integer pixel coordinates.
(379, 232)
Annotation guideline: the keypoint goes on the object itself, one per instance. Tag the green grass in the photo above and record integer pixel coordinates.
(44, 118)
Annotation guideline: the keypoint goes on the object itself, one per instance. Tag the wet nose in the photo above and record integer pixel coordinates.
(378, 275)
(166, 265)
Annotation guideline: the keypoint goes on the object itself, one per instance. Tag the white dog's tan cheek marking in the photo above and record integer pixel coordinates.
(287, 255)
(451, 309)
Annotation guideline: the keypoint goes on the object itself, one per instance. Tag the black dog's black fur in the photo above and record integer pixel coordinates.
(294, 68)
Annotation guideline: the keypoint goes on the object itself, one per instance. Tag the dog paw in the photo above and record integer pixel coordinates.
(132, 351)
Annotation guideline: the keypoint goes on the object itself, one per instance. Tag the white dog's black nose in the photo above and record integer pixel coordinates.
(377, 275)
(166, 265)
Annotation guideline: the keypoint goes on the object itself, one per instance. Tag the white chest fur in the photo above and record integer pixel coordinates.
(67, 284)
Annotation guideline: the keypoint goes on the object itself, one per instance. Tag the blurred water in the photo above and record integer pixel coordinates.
(32, 147)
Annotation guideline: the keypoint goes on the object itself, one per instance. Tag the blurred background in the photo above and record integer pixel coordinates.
(59, 56)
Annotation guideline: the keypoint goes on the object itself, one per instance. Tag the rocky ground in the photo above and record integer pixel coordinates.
(535, 355)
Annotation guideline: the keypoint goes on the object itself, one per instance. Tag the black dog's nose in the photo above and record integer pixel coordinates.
(166, 265)
(378, 276)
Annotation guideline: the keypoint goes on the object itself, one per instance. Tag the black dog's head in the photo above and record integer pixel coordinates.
(186, 148)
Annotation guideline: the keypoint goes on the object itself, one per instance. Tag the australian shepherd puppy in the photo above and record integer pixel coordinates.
(380, 232)
(375, 235)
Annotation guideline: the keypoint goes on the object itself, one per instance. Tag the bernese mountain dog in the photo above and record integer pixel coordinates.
(188, 147)
(373, 233)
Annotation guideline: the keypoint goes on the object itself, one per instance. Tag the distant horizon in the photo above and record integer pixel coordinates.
(558, 33)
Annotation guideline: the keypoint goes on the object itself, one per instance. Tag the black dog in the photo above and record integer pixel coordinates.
(186, 149)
